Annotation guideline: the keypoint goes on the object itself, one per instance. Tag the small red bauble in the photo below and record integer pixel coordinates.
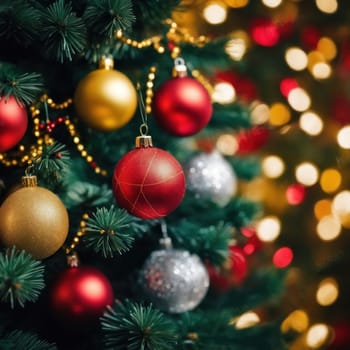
(80, 296)
(232, 273)
(13, 122)
(182, 106)
(148, 182)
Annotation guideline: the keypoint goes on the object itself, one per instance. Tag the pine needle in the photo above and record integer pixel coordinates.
(21, 277)
(136, 327)
(109, 231)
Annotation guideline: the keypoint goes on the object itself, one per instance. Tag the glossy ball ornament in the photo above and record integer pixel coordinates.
(105, 99)
(148, 182)
(182, 106)
(80, 295)
(13, 123)
(34, 219)
(210, 176)
(174, 280)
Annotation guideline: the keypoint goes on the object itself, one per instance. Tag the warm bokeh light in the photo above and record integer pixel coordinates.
(314, 57)
(227, 144)
(237, 3)
(279, 114)
(223, 93)
(317, 335)
(268, 228)
(283, 257)
(328, 48)
(328, 228)
(330, 180)
(311, 123)
(259, 113)
(321, 70)
(215, 13)
(295, 194)
(341, 207)
(322, 208)
(272, 166)
(306, 173)
(297, 321)
(327, 292)
(246, 320)
(327, 6)
(265, 32)
(343, 137)
(236, 48)
(271, 3)
(299, 99)
(296, 58)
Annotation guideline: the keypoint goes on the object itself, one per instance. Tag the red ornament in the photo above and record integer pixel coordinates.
(13, 122)
(232, 273)
(182, 106)
(80, 296)
(252, 139)
(148, 182)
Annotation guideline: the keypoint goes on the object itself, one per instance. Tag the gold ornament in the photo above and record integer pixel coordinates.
(105, 99)
(34, 219)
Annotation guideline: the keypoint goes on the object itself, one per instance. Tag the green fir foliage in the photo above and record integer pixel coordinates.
(21, 277)
(137, 327)
(25, 87)
(63, 33)
(109, 231)
(24, 340)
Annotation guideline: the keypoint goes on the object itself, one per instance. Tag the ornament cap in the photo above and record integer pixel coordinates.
(180, 69)
(106, 62)
(143, 141)
(29, 181)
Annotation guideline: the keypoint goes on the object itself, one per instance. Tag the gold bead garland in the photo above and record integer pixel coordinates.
(149, 89)
(42, 130)
(78, 235)
(174, 36)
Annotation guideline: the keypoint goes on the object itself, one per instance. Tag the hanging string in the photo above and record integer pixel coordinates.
(142, 108)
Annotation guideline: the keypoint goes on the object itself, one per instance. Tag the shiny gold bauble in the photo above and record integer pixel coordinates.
(105, 99)
(34, 219)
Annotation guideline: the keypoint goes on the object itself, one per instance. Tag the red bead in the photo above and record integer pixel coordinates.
(13, 123)
(80, 295)
(182, 106)
(148, 182)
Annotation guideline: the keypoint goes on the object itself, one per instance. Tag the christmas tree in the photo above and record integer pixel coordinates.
(132, 210)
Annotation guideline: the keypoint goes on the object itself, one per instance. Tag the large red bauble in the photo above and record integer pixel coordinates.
(80, 295)
(182, 106)
(148, 182)
(13, 122)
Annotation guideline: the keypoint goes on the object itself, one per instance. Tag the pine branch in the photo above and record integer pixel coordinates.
(86, 195)
(210, 243)
(19, 22)
(246, 168)
(63, 33)
(25, 87)
(24, 340)
(109, 231)
(135, 327)
(106, 16)
(21, 277)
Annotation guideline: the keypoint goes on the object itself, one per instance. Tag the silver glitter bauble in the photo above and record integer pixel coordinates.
(210, 176)
(174, 280)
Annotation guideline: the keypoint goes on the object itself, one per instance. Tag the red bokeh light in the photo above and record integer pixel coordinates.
(283, 257)
(287, 85)
(264, 32)
(295, 194)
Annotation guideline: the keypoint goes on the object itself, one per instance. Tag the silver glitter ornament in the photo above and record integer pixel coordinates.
(174, 280)
(210, 176)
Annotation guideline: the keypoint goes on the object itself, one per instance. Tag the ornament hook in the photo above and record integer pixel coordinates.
(165, 241)
(180, 69)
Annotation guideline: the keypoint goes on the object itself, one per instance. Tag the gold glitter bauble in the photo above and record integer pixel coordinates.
(34, 219)
(105, 99)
